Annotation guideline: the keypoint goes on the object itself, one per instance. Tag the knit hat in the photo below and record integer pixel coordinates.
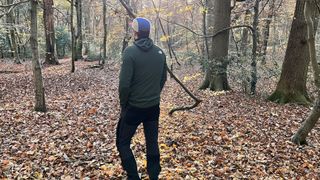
(141, 26)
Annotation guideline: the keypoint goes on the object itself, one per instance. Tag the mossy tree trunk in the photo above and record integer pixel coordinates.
(218, 17)
(291, 87)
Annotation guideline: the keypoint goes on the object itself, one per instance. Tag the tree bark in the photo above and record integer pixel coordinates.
(127, 36)
(49, 32)
(13, 46)
(266, 31)
(254, 48)
(291, 87)
(40, 104)
(218, 17)
(104, 56)
(87, 22)
(73, 39)
(245, 34)
(79, 43)
(312, 15)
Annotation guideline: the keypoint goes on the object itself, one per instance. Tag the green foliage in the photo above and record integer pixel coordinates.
(114, 49)
(63, 40)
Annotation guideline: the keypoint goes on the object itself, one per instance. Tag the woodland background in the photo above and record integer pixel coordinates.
(59, 76)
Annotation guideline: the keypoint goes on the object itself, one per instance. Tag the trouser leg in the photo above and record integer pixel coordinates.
(124, 134)
(151, 127)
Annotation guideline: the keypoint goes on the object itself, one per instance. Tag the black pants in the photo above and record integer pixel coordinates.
(130, 119)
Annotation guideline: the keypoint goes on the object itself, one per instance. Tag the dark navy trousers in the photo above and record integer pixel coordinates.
(130, 118)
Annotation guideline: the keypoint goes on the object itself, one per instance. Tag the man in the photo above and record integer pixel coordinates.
(142, 77)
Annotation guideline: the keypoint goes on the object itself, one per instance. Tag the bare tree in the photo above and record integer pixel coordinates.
(12, 31)
(104, 57)
(40, 104)
(49, 32)
(79, 43)
(73, 38)
(127, 36)
(291, 87)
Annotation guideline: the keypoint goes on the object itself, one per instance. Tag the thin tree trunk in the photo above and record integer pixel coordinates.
(291, 87)
(204, 29)
(245, 34)
(266, 31)
(254, 48)
(88, 31)
(104, 56)
(79, 43)
(73, 39)
(14, 48)
(40, 104)
(126, 39)
(49, 32)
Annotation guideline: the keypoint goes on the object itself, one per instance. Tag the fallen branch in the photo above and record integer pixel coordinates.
(197, 101)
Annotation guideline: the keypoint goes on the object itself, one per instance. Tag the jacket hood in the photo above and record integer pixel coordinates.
(144, 44)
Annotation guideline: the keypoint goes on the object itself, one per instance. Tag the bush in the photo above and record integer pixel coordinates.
(63, 41)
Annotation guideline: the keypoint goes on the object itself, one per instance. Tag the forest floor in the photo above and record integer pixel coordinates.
(228, 136)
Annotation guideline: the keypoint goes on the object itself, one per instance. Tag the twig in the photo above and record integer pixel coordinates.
(215, 34)
(164, 33)
(13, 4)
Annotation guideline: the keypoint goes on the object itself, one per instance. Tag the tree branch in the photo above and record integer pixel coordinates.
(164, 33)
(197, 101)
(11, 7)
(129, 11)
(13, 4)
(215, 34)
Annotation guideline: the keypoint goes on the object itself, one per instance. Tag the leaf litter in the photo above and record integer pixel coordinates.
(228, 136)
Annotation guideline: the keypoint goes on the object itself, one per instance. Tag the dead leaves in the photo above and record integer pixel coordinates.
(228, 136)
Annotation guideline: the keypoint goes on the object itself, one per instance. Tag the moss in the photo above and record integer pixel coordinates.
(282, 97)
(296, 139)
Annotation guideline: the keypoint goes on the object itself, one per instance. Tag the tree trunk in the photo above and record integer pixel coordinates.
(204, 29)
(40, 104)
(104, 56)
(254, 48)
(49, 32)
(73, 39)
(79, 43)
(312, 15)
(218, 17)
(291, 87)
(126, 39)
(87, 22)
(266, 31)
(14, 47)
(245, 34)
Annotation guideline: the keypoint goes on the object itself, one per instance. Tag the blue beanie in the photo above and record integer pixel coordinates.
(142, 26)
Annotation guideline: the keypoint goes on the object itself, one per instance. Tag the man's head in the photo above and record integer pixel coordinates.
(141, 27)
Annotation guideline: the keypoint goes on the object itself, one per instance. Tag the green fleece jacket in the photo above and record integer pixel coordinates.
(143, 74)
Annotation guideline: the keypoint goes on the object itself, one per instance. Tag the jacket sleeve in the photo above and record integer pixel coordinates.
(126, 75)
(164, 75)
